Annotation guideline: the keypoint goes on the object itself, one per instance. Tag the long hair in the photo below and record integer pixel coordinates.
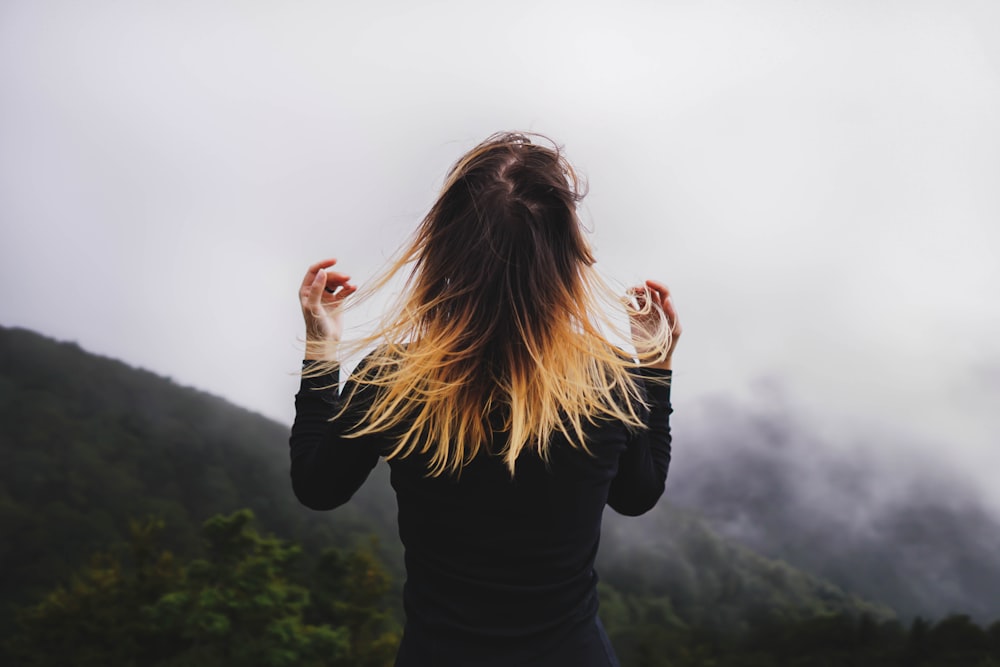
(500, 324)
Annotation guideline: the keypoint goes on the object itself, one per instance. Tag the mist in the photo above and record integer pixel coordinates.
(879, 515)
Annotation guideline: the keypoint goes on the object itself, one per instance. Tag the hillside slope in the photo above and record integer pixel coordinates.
(90, 442)
(874, 517)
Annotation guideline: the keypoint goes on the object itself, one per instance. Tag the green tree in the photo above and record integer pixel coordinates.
(238, 606)
(956, 640)
(241, 605)
(349, 590)
(95, 619)
(993, 639)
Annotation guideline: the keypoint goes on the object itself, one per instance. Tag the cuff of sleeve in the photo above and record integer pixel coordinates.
(328, 381)
(658, 382)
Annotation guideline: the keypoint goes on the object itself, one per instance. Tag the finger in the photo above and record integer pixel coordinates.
(322, 264)
(336, 279)
(670, 311)
(659, 288)
(314, 294)
(332, 295)
(344, 292)
(672, 320)
(336, 287)
(661, 293)
(645, 297)
(309, 282)
(313, 270)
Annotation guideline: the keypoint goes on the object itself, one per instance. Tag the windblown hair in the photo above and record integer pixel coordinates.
(501, 319)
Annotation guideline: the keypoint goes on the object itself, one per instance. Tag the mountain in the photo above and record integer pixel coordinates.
(875, 518)
(712, 581)
(90, 443)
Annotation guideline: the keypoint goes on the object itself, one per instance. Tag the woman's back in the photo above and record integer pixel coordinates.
(499, 566)
(509, 419)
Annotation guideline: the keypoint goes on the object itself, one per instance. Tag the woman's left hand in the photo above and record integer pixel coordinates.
(321, 294)
(646, 327)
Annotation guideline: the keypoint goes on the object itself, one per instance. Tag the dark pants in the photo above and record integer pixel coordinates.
(587, 646)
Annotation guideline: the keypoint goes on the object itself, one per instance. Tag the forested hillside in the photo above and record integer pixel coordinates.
(89, 443)
(93, 448)
(873, 515)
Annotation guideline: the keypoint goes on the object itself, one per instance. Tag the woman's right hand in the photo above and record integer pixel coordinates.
(320, 295)
(645, 327)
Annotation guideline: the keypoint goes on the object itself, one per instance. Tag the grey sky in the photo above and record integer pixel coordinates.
(817, 181)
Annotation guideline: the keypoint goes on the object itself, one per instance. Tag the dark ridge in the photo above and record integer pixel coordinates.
(90, 443)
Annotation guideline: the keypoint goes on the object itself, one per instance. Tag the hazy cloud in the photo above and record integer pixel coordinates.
(817, 182)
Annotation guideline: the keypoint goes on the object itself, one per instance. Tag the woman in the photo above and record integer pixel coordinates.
(508, 417)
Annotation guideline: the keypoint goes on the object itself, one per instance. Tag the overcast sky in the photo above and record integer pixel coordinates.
(816, 181)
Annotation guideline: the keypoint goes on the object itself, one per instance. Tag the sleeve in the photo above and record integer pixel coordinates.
(326, 467)
(642, 467)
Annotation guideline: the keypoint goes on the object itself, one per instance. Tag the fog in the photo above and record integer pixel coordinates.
(815, 181)
(879, 515)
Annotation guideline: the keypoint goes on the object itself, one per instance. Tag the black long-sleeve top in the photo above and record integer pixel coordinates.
(491, 559)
